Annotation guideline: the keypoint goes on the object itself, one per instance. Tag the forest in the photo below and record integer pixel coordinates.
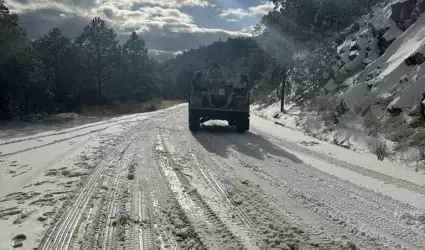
(55, 73)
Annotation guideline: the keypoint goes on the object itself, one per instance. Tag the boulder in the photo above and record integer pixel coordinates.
(420, 6)
(402, 11)
(354, 46)
(415, 59)
(409, 22)
(383, 44)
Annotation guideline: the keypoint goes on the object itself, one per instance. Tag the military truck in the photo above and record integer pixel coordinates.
(221, 102)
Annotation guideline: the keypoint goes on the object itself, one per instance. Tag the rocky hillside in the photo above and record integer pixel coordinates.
(384, 57)
(376, 84)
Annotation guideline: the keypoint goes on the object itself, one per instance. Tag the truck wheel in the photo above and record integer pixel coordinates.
(193, 122)
(232, 123)
(241, 126)
(247, 124)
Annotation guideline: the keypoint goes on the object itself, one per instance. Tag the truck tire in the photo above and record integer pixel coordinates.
(247, 124)
(241, 126)
(193, 122)
(232, 123)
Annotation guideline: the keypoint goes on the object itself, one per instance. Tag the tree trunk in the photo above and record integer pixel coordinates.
(282, 91)
(99, 80)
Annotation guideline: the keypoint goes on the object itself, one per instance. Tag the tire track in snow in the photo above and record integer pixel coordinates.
(352, 167)
(51, 143)
(211, 178)
(212, 231)
(109, 235)
(325, 191)
(65, 227)
(262, 209)
(164, 225)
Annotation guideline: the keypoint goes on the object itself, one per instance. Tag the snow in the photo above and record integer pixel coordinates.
(364, 160)
(40, 171)
(410, 96)
(271, 186)
(357, 95)
(392, 62)
(376, 83)
(383, 74)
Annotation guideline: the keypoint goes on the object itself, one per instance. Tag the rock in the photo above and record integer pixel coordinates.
(408, 23)
(349, 246)
(394, 111)
(383, 44)
(17, 244)
(42, 218)
(184, 233)
(354, 46)
(420, 6)
(353, 55)
(415, 59)
(238, 200)
(402, 11)
(381, 32)
(415, 110)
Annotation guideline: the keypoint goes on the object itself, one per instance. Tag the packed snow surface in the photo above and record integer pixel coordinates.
(145, 181)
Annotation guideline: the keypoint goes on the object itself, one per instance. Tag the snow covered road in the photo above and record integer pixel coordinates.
(146, 182)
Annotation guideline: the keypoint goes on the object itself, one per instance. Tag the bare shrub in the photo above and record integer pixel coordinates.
(323, 103)
(379, 148)
(396, 130)
(371, 123)
(417, 138)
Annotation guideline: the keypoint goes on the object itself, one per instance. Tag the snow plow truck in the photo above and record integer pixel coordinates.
(219, 101)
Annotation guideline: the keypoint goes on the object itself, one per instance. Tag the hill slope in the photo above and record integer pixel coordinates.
(374, 91)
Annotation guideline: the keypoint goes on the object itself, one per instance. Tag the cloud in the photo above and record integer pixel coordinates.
(239, 13)
(234, 14)
(164, 27)
(161, 55)
(177, 3)
(261, 10)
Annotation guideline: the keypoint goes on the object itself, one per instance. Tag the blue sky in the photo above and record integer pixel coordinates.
(167, 26)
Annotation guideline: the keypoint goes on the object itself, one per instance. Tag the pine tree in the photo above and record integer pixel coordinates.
(99, 44)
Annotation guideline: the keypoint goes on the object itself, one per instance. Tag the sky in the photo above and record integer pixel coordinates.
(167, 26)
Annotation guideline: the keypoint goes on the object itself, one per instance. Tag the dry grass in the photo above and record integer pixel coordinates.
(128, 107)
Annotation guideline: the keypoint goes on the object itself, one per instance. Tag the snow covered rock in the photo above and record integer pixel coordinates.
(353, 55)
(415, 59)
(401, 12)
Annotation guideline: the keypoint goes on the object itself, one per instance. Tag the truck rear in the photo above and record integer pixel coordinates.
(221, 102)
